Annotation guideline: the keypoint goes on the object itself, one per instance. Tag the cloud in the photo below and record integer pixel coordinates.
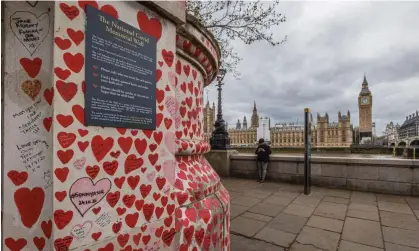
(330, 46)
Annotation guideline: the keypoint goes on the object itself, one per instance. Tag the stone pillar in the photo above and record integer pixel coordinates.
(220, 161)
(77, 187)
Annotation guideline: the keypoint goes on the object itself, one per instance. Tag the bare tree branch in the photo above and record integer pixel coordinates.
(230, 20)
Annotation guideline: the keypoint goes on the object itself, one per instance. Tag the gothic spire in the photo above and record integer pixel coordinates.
(365, 82)
(254, 106)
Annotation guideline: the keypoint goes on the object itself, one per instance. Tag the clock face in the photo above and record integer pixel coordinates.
(364, 100)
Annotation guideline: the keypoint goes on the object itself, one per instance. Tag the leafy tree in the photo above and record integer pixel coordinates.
(229, 20)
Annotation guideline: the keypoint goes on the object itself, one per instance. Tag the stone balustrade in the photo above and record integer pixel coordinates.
(373, 175)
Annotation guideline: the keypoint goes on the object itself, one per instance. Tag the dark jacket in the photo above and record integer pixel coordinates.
(263, 151)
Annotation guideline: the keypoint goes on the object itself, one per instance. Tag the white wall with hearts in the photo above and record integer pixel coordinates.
(77, 187)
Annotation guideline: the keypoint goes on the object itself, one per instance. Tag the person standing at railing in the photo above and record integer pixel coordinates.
(263, 151)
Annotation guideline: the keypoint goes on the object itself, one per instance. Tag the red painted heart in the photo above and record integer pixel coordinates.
(62, 74)
(110, 10)
(29, 204)
(63, 44)
(150, 26)
(74, 62)
(15, 245)
(32, 67)
(18, 178)
(101, 147)
(70, 11)
(76, 35)
(49, 95)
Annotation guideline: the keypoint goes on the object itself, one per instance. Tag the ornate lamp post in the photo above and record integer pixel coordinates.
(220, 139)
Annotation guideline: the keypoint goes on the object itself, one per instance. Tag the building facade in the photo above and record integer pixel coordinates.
(365, 113)
(255, 117)
(263, 131)
(323, 134)
(409, 130)
(209, 120)
(391, 134)
(242, 135)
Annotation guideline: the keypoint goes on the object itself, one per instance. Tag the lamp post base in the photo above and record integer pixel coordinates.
(220, 142)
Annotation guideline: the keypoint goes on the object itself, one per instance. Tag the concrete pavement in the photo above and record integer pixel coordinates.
(277, 216)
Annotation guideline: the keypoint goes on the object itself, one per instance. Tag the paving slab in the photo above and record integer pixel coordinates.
(336, 200)
(245, 201)
(391, 198)
(292, 188)
(395, 247)
(319, 238)
(267, 209)
(306, 200)
(362, 215)
(271, 187)
(318, 194)
(299, 210)
(236, 210)
(288, 194)
(233, 194)
(257, 194)
(325, 223)
(394, 207)
(363, 232)
(235, 188)
(246, 226)
(339, 193)
(363, 197)
(258, 217)
(288, 223)
(401, 236)
(399, 220)
(363, 207)
(413, 202)
(331, 210)
(278, 200)
(275, 236)
(300, 247)
(351, 246)
(240, 243)
(416, 213)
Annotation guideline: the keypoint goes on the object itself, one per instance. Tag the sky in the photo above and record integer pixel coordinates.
(321, 66)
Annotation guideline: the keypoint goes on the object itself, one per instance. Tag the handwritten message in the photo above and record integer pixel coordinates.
(32, 116)
(81, 231)
(30, 30)
(104, 220)
(48, 179)
(33, 153)
(84, 194)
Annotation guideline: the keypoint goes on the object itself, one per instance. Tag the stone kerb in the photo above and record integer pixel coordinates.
(395, 176)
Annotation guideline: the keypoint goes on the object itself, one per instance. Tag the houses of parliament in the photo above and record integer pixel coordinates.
(323, 134)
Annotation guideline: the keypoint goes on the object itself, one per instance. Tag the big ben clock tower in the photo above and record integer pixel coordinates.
(365, 112)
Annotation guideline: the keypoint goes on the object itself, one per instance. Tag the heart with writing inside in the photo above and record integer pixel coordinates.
(172, 106)
(169, 168)
(29, 29)
(170, 142)
(81, 231)
(85, 194)
(31, 88)
(172, 79)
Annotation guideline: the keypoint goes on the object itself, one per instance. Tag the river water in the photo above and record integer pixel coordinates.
(343, 155)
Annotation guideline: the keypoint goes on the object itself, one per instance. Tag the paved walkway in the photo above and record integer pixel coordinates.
(276, 216)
